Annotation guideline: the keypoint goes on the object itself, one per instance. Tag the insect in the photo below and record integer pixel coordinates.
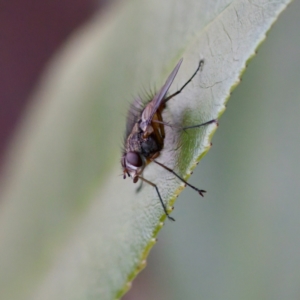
(145, 133)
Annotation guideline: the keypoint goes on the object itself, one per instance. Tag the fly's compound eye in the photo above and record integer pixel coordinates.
(133, 160)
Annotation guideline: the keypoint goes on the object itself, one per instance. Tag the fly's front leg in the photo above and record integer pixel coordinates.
(159, 196)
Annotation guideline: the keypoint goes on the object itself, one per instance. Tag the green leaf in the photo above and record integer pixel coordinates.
(70, 227)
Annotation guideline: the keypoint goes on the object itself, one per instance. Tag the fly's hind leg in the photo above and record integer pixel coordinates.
(201, 62)
(187, 127)
(159, 196)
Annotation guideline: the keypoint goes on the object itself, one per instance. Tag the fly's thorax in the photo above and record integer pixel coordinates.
(133, 143)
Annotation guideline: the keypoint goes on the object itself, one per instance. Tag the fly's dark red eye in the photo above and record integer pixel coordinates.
(134, 159)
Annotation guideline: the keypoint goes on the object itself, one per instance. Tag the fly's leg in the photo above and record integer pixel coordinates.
(199, 125)
(159, 196)
(200, 192)
(201, 62)
(186, 127)
(139, 188)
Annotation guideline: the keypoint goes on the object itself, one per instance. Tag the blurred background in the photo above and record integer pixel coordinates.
(30, 33)
(242, 241)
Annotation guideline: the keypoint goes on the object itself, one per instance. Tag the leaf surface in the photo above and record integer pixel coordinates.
(70, 227)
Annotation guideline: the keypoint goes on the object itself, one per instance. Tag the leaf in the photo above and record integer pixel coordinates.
(70, 227)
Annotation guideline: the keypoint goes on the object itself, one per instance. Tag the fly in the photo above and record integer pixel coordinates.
(145, 134)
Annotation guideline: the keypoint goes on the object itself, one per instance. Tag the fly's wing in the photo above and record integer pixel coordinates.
(153, 106)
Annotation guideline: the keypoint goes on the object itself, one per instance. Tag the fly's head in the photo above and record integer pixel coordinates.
(133, 165)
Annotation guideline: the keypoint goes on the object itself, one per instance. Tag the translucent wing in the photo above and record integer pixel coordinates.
(153, 106)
